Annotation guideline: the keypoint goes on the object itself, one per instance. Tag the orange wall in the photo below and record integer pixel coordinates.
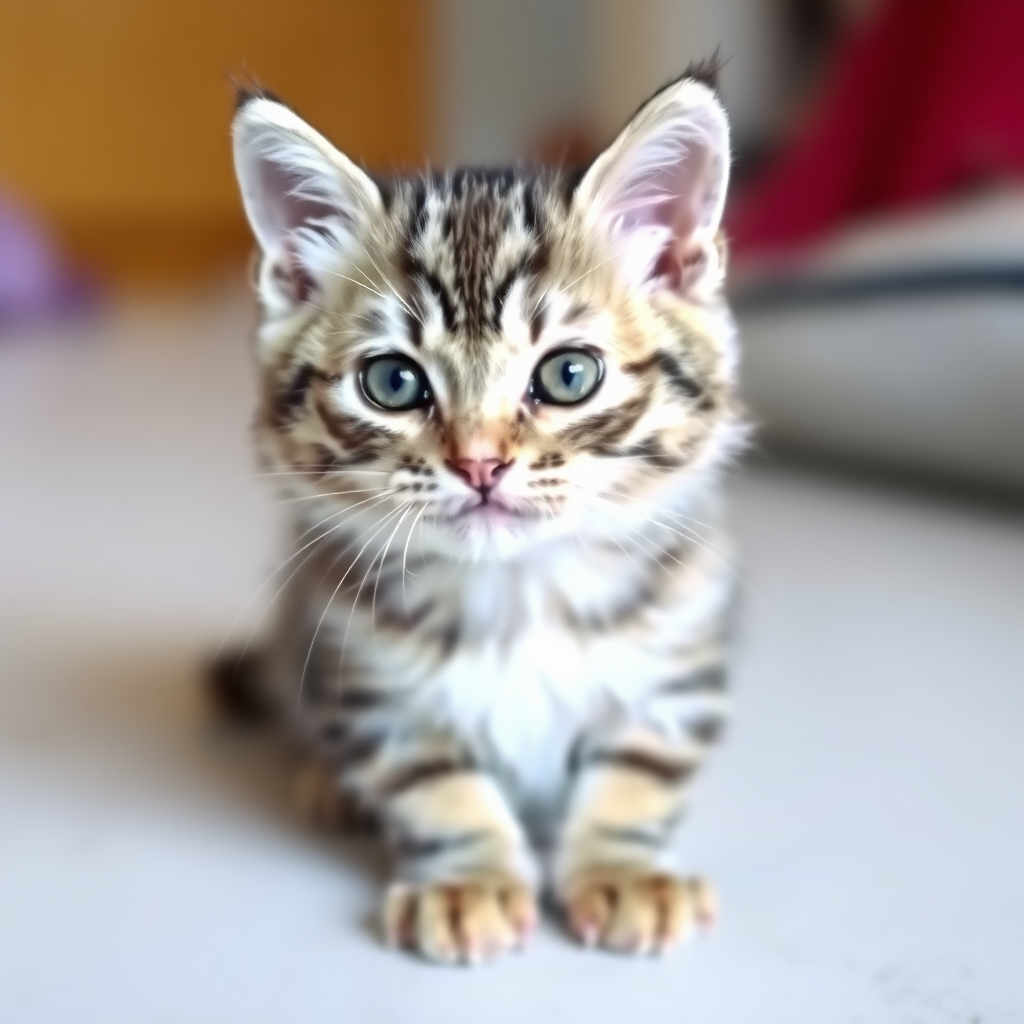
(114, 114)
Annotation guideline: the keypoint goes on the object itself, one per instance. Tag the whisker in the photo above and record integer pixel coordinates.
(333, 494)
(692, 536)
(344, 334)
(359, 590)
(352, 280)
(597, 266)
(347, 508)
(668, 512)
(577, 280)
(357, 316)
(270, 604)
(612, 538)
(543, 295)
(334, 594)
(311, 470)
(405, 554)
(737, 611)
(295, 554)
(380, 567)
(405, 305)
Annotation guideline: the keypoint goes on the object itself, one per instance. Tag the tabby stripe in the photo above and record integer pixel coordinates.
(651, 449)
(419, 218)
(679, 380)
(602, 431)
(669, 772)
(417, 270)
(425, 847)
(377, 322)
(631, 836)
(537, 321)
(447, 637)
(576, 310)
(354, 699)
(530, 219)
(294, 396)
(708, 728)
(414, 328)
(331, 462)
(360, 438)
(357, 751)
(426, 771)
(333, 732)
(705, 680)
(501, 290)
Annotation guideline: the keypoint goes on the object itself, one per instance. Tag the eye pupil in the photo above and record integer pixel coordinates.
(398, 378)
(570, 371)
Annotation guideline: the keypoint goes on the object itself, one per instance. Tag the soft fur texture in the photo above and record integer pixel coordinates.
(538, 665)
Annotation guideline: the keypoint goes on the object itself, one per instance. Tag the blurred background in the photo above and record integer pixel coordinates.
(877, 233)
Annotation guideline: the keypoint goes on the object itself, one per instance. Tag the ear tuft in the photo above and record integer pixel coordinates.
(247, 93)
(706, 71)
(657, 193)
(308, 204)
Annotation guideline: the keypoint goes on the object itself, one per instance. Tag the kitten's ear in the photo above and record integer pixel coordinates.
(307, 202)
(658, 191)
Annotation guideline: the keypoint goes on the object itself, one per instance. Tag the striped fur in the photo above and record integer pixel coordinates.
(546, 673)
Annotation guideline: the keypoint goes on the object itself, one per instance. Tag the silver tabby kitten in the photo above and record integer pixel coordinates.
(496, 403)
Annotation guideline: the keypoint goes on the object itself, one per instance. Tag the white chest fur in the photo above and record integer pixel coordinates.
(545, 646)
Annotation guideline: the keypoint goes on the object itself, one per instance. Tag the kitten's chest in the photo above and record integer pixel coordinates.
(518, 659)
(539, 658)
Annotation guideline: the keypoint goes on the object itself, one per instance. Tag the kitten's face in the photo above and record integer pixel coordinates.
(494, 357)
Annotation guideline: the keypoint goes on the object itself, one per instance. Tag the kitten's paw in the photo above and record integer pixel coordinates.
(622, 910)
(322, 804)
(459, 922)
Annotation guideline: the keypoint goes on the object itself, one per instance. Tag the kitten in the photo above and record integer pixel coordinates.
(496, 402)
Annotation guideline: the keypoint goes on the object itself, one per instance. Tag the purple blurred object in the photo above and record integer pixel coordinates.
(36, 282)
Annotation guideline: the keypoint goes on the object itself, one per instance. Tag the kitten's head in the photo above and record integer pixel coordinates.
(504, 357)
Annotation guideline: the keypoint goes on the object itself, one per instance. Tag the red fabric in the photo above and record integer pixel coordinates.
(926, 101)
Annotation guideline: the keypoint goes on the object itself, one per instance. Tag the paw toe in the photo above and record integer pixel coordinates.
(626, 912)
(459, 922)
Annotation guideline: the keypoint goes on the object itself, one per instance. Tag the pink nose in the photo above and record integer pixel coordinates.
(481, 474)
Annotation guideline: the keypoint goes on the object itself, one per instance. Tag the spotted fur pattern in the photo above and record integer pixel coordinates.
(547, 676)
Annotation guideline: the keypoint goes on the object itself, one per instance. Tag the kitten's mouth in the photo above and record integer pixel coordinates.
(492, 511)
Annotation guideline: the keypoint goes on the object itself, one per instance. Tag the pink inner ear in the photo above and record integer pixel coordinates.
(678, 266)
(667, 207)
(287, 213)
(668, 268)
(295, 283)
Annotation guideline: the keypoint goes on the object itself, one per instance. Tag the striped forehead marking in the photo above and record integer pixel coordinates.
(469, 236)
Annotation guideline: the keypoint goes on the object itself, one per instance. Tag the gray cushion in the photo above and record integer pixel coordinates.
(901, 343)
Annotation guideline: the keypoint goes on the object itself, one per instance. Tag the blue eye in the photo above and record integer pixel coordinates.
(395, 383)
(566, 377)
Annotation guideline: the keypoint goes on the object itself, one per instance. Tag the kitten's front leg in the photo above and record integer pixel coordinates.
(464, 885)
(612, 874)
